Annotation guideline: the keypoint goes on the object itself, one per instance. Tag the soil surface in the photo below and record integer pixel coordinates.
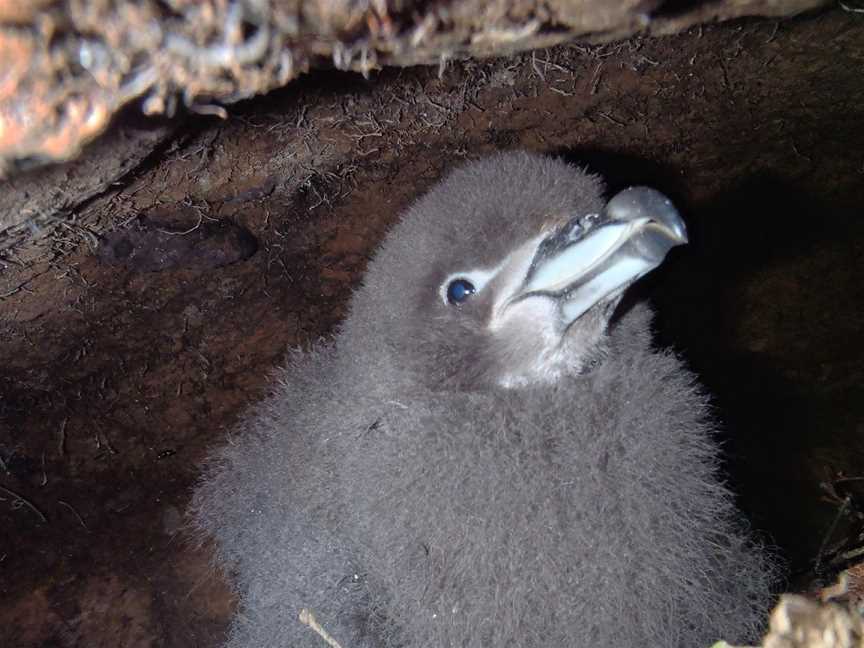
(127, 357)
(70, 67)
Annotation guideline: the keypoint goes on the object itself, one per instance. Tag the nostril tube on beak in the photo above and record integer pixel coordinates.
(573, 231)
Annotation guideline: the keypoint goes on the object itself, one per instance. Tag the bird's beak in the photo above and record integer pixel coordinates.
(593, 258)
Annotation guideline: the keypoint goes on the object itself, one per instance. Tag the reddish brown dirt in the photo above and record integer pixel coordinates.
(115, 382)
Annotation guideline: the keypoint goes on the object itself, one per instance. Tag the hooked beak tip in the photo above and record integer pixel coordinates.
(638, 203)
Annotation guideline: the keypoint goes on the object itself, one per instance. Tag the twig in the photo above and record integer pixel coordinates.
(549, 64)
(610, 118)
(61, 444)
(846, 480)
(850, 8)
(536, 67)
(72, 508)
(830, 532)
(188, 231)
(307, 618)
(799, 153)
(596, 78)
(24, 501)
(725, 76)
(18, 288)
(847, 556)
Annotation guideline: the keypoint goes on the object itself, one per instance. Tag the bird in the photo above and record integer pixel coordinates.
(490, 451)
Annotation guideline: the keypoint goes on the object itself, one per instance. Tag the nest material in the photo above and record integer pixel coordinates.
(833, 621)
(69, 65)
(798, 622)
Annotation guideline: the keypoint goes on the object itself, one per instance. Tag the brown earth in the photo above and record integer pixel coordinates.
(69, 66)
(122, 366)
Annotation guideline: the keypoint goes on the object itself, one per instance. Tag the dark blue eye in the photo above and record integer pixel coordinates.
(459, 290)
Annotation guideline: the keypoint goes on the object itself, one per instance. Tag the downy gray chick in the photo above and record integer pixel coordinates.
(479, 458)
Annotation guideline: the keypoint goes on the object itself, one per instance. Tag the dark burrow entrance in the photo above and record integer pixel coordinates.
(124, 361)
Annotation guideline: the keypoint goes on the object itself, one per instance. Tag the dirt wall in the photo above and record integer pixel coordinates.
(68, 66)
(121, 370)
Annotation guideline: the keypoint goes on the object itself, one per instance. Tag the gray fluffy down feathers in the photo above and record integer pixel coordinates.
(585, 514)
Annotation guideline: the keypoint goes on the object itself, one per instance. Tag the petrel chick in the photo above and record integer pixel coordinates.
(479, 458)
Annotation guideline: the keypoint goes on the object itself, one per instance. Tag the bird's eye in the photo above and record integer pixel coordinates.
(459, 290)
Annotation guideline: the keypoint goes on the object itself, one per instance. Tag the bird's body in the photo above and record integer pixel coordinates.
(424, 481)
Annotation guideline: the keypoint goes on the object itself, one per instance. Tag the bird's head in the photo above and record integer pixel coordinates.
(507, 273)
